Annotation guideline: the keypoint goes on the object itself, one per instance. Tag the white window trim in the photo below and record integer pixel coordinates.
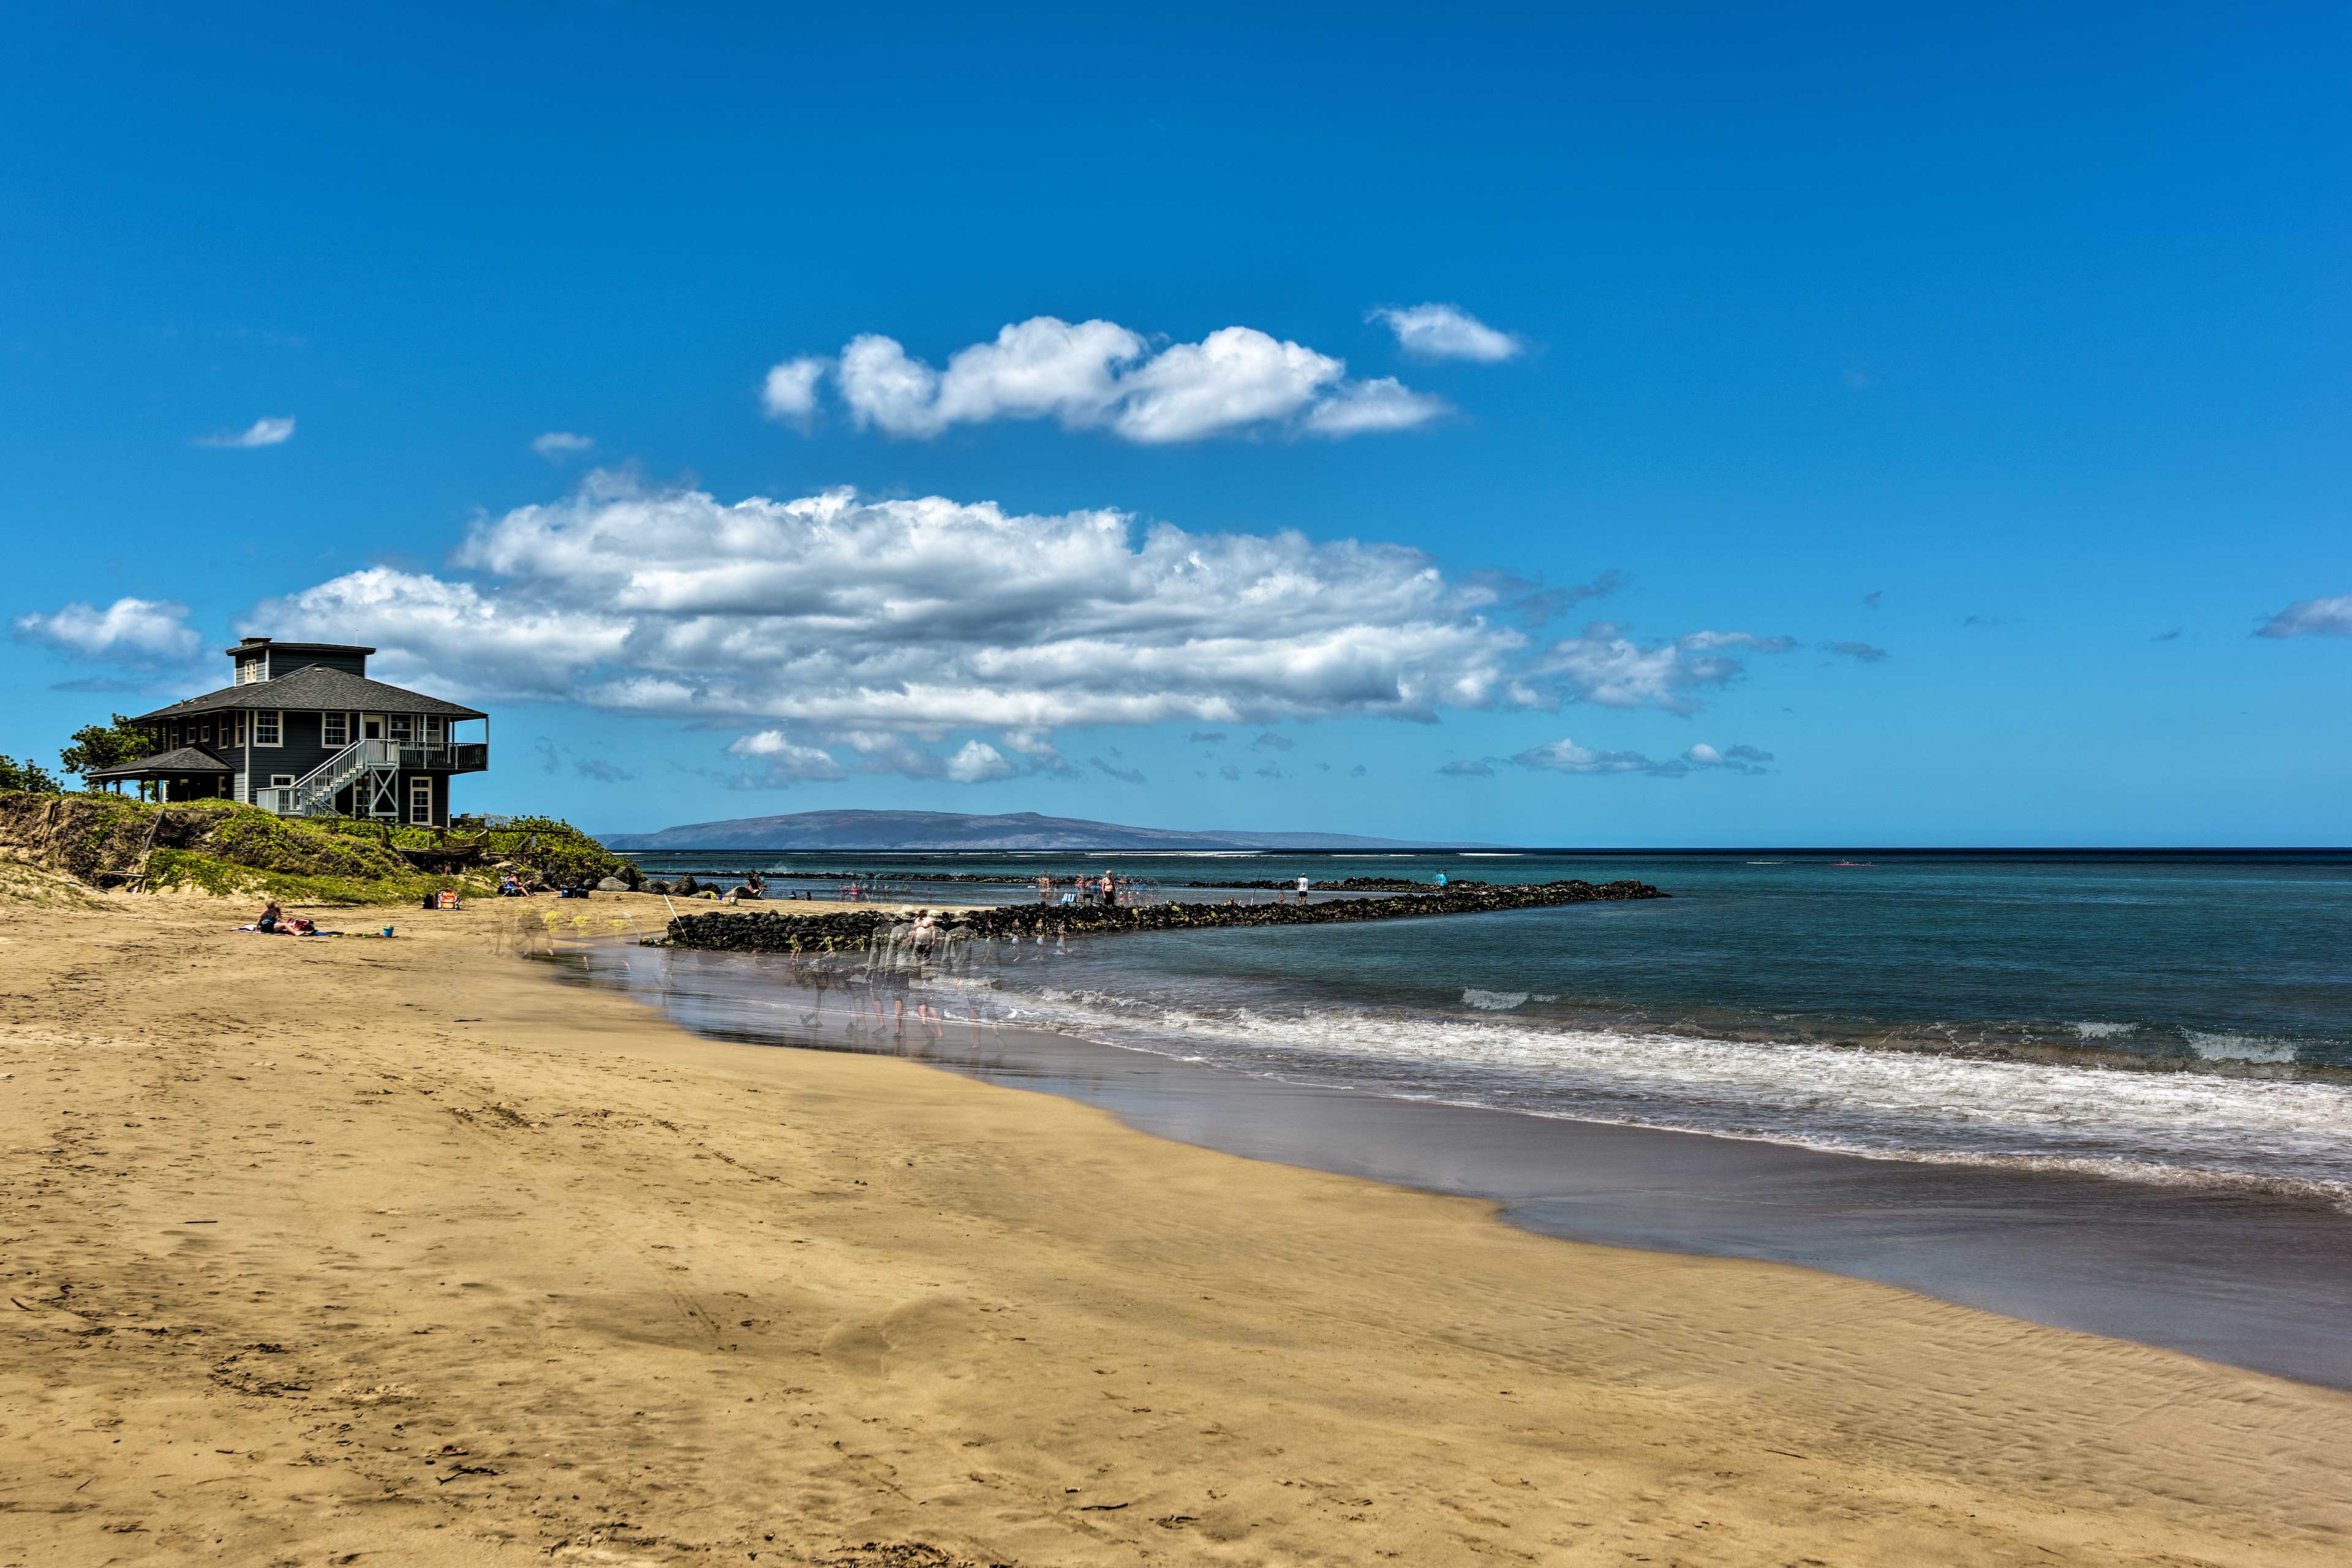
(342, 723)
(278, 714)
(420, 792)
(281, 780)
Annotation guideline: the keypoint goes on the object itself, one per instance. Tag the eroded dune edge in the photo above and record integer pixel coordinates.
(355, 1251)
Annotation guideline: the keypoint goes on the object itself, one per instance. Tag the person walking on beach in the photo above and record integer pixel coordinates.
(1302, 889)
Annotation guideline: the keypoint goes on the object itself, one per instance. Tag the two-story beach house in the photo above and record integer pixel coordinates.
(302, 731)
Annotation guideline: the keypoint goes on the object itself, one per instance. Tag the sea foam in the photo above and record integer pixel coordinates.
(2172, 1127)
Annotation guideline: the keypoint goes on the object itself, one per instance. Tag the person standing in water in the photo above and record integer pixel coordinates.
(1302, 887)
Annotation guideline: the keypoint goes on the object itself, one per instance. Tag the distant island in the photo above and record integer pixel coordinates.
(884, 830)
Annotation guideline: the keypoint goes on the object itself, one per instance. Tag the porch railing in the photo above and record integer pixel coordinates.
(313, 794)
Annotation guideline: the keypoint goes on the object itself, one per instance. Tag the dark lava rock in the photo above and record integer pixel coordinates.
(850, 930)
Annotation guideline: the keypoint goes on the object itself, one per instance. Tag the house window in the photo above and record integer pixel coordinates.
(431, 724)
(420, 801)
(281, 780)
(204, 734)
(250, 672)
(268, 728)
(401, 726)
(335, 729)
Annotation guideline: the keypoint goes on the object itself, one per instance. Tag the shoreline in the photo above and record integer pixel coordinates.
(2248, 1279)
(405, 1249)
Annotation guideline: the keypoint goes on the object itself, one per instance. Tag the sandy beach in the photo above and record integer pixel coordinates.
(354, 1251)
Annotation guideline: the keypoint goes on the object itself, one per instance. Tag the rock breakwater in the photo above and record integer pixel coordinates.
(856, 930)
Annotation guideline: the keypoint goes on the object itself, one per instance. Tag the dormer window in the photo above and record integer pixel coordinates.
(252, 671)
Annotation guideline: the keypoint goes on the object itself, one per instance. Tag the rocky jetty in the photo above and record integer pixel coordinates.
(855, 931)
(1342, 885)
(1282, 884)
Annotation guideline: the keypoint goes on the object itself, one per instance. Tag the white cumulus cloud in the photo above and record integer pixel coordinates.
(776, 759)
(942, 638)
(1446, 332)
(556, 446)
(2311, 617)
(414, 619)
(790, 392)
(1565, 756)
(134, 631)
(859, 623)
(1362, 406)
(1603, 665)
(1235, 377)
(978, 762)
(1097, 374)
(266, 432)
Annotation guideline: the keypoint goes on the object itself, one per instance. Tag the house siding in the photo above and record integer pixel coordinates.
(284, 661)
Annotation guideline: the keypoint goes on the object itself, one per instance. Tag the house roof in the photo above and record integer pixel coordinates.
(314, 687)
(180, 759)
(269, 645)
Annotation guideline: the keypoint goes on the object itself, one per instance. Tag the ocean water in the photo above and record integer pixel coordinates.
(2176, 1021)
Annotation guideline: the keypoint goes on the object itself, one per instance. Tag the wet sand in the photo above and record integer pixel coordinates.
(2260, 1282)
(366, 1252)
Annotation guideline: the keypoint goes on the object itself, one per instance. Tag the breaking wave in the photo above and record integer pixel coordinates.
(2181, 1127)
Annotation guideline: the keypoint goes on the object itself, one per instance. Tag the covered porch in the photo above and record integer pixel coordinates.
(184, 773)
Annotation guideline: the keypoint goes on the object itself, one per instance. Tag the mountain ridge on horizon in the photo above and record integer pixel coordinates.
(888, 830)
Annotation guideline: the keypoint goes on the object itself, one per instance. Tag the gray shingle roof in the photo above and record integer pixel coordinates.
(180, 759)
(314, 687)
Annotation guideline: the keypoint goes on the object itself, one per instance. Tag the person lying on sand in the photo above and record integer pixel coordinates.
(275, 922)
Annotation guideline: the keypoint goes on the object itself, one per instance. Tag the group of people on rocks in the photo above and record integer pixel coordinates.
(1107, 890)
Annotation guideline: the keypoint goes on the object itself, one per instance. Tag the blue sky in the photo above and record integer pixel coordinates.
(1998, 345)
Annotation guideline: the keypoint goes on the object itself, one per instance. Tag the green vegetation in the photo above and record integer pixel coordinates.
(96, 746)
(27, 777)
(168, 869)
(559, 854)
(247, 836)
(220, 847)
